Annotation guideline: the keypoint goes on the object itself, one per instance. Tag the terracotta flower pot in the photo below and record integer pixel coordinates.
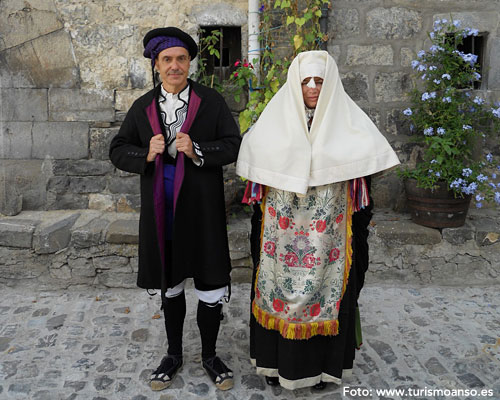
(438, 208)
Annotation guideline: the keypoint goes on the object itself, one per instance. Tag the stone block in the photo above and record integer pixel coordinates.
(58, 184)
(407, 232)
(397, 123)
(103, 202)
(335, 52)
(53, 235)
(28, 178)
(128, 203)
(130, 185)
(487, 231)
(494, 72)
(344, 23)
(393, 23)
(100, 138)
(225, 14)
(15, 140)
(112, 263)
(10, 78)
(61, 140)
(370, 55)
(21, 22)
(123, 231)
(17, 232)
(11, 201)
(239, 242)
(125, 98)
(391, 87)
(23, 104)
(356, 85)
(241, 275)
(54, 52)
(81, 105)
(67, 201)
(81, 167)
(117, 279)
(82, 267)
(91, 234)
(407, 56)
(483, 21)
(84, 184)
(460, 235)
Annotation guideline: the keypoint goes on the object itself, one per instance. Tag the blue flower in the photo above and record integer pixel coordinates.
(477, 76)
(456, 183)
(479, 205)
(492, 185)
(432, 68)
(444, 21)
(429, 131)
(493, 176)
(489, 157)
(435, 48)
(479, 197)
(431, 35)
(437, 81)
(407, 112)
(482, 178)
(466, 172)
(421, 53)
(415, 63)
(261, 8)
(421, 67)
(471, 189)
(471, 32)
(433, 161)
(438, 174)
(496, 112)
(424, 76)
(447, 99)
(497, 197)
(441, 131)
(470, 58)
(456, 23)
(431, 171)
(478, 100)
(466, 127)
(446, 76)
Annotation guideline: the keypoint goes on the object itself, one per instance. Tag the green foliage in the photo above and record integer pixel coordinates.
(447, 119)
(301, 29)
(209, 43)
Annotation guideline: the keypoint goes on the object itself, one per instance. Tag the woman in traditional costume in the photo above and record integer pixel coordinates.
(308, 160)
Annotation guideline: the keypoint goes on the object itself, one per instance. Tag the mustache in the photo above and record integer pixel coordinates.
(175, 72)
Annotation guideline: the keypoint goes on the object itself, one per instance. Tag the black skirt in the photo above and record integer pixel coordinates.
(302, 363)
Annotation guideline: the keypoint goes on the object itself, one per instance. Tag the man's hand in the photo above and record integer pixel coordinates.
(156, 146)
(184, 144)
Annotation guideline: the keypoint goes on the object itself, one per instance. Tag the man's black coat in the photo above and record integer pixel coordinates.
(199, 246)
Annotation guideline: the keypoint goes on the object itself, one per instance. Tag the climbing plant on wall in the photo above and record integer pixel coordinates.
(287, 28)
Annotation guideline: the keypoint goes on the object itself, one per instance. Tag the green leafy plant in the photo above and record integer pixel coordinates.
(449, 121)
(207, 42)
(285, 21)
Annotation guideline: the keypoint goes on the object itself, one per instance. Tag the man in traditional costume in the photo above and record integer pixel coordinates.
(177, 137)
(308, 160)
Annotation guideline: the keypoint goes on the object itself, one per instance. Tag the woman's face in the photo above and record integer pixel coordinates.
(311, 95)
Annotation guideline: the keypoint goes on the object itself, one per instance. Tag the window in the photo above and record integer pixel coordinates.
(474, 45)
(229, 47)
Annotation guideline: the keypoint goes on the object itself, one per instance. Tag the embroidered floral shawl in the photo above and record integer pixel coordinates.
(306, 256)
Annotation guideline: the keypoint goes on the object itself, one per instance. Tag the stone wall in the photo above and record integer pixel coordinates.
(59, 249)
(69, 70)
(374, 41)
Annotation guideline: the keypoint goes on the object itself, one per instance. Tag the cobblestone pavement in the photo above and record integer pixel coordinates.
(98, 344)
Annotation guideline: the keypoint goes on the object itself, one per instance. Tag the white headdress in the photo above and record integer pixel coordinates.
(342, 144)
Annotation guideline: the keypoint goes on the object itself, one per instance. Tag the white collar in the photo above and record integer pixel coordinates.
(183, 95)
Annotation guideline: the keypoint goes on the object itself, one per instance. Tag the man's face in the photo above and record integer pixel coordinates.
(173, 66)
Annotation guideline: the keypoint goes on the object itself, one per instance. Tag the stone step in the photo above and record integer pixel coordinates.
(63, 248)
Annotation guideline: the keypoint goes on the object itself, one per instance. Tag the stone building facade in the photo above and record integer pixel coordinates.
(70, 69)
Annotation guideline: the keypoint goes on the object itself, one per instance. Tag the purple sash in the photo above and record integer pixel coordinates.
(158, 184)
